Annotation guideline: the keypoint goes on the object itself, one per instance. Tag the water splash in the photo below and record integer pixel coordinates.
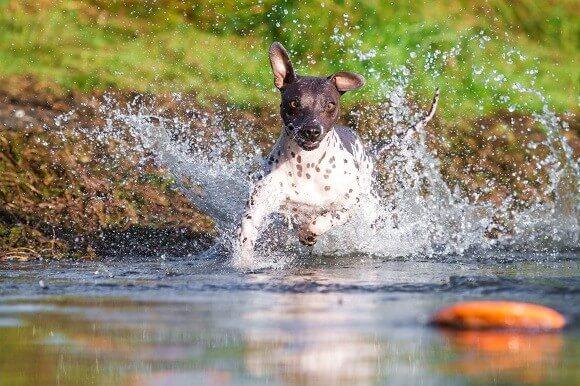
(412, 209)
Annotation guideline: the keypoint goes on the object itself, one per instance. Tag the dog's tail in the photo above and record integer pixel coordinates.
(423, 122)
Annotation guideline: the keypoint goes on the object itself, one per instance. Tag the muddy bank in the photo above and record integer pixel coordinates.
(63, 194)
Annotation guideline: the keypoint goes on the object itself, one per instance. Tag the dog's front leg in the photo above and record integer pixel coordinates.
(265, 199)
(309, 232)
(308, 235)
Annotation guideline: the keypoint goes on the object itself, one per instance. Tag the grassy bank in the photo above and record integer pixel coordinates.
(218, 48)
(63, 193)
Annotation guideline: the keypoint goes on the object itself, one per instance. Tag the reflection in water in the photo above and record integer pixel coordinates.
(286, 339)
(316, 350)
(320, 338)
(505, 355)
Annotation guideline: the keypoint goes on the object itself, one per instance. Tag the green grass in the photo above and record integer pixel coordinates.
(218, 49)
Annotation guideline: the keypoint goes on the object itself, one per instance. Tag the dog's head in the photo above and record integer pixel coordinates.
(310, 105)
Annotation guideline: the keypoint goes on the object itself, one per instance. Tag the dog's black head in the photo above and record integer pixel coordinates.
(310, 105)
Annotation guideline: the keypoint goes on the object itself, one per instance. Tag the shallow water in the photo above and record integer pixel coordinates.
(322, 320)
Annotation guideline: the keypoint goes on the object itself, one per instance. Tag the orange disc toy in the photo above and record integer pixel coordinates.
(499, 314)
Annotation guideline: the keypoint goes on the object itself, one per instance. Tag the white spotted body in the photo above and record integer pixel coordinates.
(316, 189)
(314, 182)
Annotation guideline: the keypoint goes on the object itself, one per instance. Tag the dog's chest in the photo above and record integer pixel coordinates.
(317, 180)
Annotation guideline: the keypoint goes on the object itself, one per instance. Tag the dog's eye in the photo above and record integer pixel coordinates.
(294, 104)
(330, 106)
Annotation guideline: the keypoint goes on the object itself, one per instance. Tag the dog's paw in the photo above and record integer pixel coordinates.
(307, 238)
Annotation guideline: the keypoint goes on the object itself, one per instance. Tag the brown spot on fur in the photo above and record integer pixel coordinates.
(327, 188)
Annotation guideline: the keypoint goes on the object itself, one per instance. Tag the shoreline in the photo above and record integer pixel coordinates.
(62, 196)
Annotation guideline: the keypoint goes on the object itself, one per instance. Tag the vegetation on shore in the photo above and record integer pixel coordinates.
(218, 48)
(63, 194)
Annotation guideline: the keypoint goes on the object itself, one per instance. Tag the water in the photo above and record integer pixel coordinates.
(351, 311)
(326, 320)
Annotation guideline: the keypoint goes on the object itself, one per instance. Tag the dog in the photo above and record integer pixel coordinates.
(317, 173)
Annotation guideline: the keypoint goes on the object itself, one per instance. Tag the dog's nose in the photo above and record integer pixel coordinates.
(312, 132)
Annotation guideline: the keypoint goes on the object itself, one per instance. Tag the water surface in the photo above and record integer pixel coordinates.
(323, 320)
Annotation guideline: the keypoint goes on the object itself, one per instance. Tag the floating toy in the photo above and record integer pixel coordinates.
(499, 314)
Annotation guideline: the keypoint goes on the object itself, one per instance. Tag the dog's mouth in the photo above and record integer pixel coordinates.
(307, 145)
(304, 143)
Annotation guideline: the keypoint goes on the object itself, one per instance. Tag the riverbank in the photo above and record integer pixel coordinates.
(63, 194)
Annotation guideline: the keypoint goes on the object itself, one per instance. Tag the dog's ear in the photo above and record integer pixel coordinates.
(281, 66)
(347, 81)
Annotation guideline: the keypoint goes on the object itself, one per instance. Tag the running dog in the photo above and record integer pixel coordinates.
(318, 172)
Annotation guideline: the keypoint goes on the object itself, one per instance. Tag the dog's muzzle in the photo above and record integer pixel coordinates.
(308, 137)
